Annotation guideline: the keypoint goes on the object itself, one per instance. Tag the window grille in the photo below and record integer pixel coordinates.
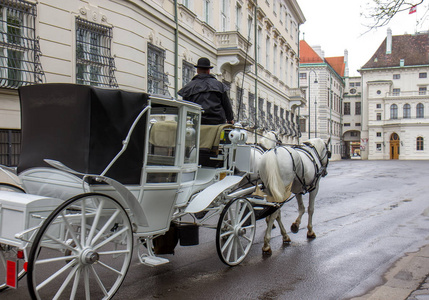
(94, 62)
(19, 47)
(157, 81)
(270, 117)
(188, 72)
(261, 114)
(241, 106)
(10, 147)
(252, 110)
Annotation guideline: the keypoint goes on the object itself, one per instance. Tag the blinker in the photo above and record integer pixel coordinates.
(329, 154)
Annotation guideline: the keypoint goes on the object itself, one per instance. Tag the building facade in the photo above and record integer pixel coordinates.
(352, 117)
(322, 80)
(395, 99)
(151, 46)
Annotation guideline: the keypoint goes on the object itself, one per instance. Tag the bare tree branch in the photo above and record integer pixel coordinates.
(384, 11)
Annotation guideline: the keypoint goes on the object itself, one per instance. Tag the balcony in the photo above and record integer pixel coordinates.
(297, 97)
(232, 48)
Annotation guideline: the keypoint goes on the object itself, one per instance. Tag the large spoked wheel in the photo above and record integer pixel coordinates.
(7, 251)
(82, 250)
(235, 231)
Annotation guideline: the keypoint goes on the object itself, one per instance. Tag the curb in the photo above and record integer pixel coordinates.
(407, 279)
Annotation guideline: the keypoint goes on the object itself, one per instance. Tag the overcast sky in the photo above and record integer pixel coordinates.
(337, 25)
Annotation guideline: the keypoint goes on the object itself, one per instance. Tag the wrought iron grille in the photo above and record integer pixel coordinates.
(94, 62)
(252, 110)
(241, 106)
(19, 47)
(157, 80)
(270, 118)
(261, 114)
(188, 72)
(10, 147)
(283, 129)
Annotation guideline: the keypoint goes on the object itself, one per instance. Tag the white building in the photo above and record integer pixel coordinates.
(352, 117)
(395, 98)
(152, 46)
(322, 80)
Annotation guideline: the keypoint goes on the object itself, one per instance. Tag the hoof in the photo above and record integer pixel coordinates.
(294, 228)
(286, 240)
(311, 235)
(267, 252)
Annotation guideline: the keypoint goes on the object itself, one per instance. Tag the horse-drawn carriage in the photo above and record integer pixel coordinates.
(102, 172)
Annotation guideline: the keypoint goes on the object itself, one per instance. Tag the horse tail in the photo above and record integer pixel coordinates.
(273, 180)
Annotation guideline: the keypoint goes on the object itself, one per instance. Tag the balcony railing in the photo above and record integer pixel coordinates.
(406, 94)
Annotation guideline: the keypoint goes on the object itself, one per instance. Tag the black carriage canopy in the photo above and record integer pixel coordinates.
(83, 127)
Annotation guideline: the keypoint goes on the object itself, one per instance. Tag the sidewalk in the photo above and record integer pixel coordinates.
(408, 279)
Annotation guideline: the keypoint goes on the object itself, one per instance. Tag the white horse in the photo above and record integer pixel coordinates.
(298, 169)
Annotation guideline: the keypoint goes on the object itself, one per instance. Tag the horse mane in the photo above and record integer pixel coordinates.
(271, 173)
(317, 143)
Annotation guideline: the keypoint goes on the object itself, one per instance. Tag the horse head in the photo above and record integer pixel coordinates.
(322, 150)
(269, 140)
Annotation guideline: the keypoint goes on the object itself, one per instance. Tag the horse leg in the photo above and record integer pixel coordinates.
(312, 197)
(301, 209)
(266, 249)
(286, 238)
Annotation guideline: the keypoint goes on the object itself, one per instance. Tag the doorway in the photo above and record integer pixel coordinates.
(394, 146)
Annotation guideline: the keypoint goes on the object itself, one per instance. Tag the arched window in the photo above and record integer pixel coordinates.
(420, 111)
(393, 111)
(420, 143)
(407, 111)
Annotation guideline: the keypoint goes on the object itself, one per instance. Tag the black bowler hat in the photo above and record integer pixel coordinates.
(203, 63)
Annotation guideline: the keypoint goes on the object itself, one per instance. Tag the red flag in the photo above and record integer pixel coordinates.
(413, 9)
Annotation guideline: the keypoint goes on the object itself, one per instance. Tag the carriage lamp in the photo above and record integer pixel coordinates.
(237, 136)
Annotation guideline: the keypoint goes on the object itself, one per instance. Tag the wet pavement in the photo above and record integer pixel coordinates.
(371, 220)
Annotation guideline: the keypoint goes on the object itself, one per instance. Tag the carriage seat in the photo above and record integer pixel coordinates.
(211, 136)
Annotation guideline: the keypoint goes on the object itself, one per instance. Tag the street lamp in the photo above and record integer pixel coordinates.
(315, 117)
(309, 99)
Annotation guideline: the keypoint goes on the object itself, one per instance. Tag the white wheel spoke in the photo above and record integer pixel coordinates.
(245, 218)
(241, 246)
(72, 233)
(86, 282)
(65, 283)
(228, 241)
(98, 280)
(49, 260)
(95, 223)
(113, 252)
(75, 284)
(226, 234)
(83, 222)
(110, 268)
(248, 238)
(108, 223)
(230, 248)
(55, 275)
(58, 242)
(112, 237)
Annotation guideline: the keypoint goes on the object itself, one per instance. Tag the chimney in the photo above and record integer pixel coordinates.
(346, 62)
(319, 51)
(389, 41)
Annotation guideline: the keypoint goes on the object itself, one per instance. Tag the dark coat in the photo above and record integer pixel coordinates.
(207, 91)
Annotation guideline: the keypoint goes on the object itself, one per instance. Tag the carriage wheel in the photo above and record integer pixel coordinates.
(235, 231)
(82, 250)
(10, 188)
(5, 250)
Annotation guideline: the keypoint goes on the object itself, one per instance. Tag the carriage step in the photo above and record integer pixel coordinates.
(154, 261)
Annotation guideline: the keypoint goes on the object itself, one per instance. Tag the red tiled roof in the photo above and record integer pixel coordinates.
(307, 54)
(414, 49)
(337, 63)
